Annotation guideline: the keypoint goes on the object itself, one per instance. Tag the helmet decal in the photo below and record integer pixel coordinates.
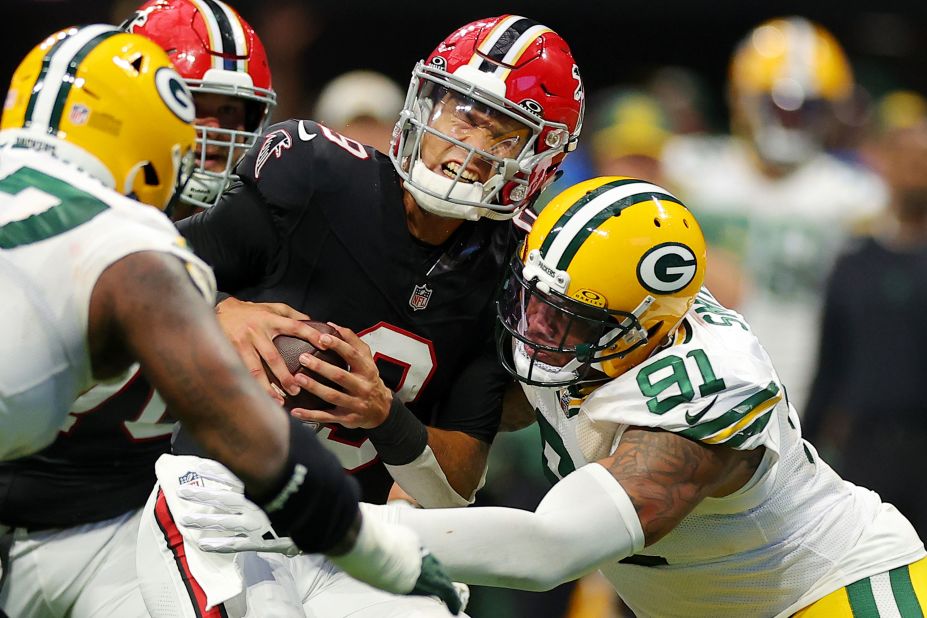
(667, 268)
(532, 106)
(175, 94)
(60, 65)
(590, 297)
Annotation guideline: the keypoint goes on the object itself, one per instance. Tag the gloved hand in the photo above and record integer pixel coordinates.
(386, 556)
(390, 557)
(238, 523)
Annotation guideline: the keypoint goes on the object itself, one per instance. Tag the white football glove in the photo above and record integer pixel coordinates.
(232, 523)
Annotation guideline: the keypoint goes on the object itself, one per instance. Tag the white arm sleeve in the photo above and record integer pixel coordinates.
(586, 520)
(423, 479)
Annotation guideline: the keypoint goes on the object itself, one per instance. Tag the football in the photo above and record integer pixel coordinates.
(290, 349)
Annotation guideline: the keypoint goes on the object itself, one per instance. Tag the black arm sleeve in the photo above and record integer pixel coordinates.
(474, 403)
(237, 237)
(832, 355)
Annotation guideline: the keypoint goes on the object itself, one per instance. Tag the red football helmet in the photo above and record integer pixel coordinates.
(216, 52)
(510, 70)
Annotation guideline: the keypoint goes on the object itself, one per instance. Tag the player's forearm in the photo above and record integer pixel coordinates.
(462, 459)
(438, 468)
(167, 326)
(585, 521)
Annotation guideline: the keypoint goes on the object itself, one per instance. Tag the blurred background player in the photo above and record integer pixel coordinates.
(361, 105)
(866, 411)
(222, 60)
(772, 201)
(110, 111)
(421, 236)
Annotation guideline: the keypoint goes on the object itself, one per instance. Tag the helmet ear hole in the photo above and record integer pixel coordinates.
(656, 222)
(151, 175)
(137, 63)
(653, 330)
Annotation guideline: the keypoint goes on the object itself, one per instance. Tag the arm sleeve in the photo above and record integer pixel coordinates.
(237, 237)
(586, 520)
(832, 354)
(473, 404)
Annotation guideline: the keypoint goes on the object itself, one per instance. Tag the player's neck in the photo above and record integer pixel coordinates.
(425, 226)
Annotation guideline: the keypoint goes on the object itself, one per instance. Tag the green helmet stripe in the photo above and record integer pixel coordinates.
(40, 81)
(55, 119)
(577, 205)
(604, 215)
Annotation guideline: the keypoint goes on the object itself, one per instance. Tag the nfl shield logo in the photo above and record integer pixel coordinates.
(420, 296)
(190, 478)
(79, 114)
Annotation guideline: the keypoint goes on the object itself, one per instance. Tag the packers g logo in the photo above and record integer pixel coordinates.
(667, 268)
(175, 94)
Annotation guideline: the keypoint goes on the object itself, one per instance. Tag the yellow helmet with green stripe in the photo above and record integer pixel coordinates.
(109, 102)
(605, 276)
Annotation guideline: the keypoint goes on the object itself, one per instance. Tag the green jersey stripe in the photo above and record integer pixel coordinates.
(69, 75)
(577, 206)
(75, 208)
(862, 601)
(903, 590)
(602, 217)
(40, 81)
(733, 415)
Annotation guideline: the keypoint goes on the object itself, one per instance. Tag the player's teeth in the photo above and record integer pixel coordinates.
(453, 169)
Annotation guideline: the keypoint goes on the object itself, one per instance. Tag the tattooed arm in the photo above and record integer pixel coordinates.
(666, 475)
(600, 513)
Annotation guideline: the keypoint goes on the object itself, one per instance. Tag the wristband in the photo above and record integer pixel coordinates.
(313, 501)
(401, 438)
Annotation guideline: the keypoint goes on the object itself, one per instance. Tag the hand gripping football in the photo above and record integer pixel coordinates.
(290, 349)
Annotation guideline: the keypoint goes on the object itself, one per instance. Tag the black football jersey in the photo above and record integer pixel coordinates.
(100, 465)
(318, 223)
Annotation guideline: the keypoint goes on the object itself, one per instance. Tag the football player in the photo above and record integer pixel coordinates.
(222, 60)
(404, 253)
(92, 281)
(775, 206)
(93, 479)
(679, 464)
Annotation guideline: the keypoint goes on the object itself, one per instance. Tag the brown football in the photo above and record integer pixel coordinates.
(290, 349)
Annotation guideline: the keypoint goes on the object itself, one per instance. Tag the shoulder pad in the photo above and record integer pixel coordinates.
(712, 395)
(295, 158)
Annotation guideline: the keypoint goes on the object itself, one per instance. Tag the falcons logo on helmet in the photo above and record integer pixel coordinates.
(274, 144)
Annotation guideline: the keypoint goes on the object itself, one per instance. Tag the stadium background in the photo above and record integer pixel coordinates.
(613, 42)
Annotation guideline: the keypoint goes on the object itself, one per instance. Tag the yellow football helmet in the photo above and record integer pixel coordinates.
(109, 102)
(605, 276)
(787, 79)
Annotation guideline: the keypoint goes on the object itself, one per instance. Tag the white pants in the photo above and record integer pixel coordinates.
(275, 586)
(81, 572)
(329, 593)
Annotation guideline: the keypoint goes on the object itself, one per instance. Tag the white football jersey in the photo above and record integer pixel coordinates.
(785, 234)
(793, 534)
(59, 230)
